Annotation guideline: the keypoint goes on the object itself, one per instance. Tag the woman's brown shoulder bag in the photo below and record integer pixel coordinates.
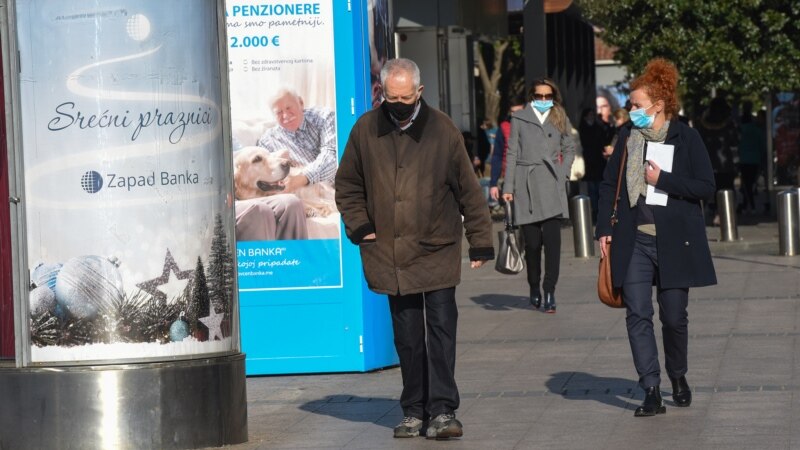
(608, 294)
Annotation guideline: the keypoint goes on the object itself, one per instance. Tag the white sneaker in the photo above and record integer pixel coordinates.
(444, 426)
(409, 427)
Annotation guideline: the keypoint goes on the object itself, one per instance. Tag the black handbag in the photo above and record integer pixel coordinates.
(510, 258)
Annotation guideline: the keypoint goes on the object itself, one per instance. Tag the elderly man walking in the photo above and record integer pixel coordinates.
(403, 184)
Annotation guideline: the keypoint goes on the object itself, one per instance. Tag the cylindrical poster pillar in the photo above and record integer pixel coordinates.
(125, 291)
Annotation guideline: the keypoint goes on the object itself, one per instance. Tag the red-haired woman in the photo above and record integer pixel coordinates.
(665, 246)
(538, 162)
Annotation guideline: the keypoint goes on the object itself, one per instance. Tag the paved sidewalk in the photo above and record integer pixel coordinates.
(566, 381)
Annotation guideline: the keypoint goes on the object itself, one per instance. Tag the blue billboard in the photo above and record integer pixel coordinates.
(299, 78)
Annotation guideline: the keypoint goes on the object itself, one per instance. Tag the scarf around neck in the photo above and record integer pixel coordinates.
(634, 172)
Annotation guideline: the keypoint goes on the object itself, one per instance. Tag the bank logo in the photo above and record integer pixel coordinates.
(92, 182)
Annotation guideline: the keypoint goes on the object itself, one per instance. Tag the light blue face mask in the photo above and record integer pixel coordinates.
(542, 105)
(640, 119)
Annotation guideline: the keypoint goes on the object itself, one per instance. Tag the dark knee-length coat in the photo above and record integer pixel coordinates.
(411, 188)
(684, 259)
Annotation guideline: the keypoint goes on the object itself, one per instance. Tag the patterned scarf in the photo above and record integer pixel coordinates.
(634, 172)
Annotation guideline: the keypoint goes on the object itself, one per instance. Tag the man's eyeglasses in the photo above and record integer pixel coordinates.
(542, 96)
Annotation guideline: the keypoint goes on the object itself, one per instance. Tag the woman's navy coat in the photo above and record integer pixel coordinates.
(684, 259)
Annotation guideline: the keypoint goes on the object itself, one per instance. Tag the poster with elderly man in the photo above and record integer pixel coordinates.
(282, 87)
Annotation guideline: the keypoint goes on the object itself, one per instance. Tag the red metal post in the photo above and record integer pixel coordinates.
(6, 282)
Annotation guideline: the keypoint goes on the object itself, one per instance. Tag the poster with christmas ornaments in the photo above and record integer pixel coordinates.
(127, 187)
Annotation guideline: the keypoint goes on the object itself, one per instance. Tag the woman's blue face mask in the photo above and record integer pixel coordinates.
(641, 119)
(542, 105)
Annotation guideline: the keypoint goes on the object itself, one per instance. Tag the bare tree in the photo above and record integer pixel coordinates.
(491, 82)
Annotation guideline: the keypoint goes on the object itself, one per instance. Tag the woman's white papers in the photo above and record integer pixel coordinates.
(661, 154)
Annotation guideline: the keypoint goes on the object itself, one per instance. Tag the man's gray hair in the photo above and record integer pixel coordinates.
(281, 92)
(400, 65)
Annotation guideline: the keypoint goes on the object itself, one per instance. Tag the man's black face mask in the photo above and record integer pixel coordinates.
(399, 111)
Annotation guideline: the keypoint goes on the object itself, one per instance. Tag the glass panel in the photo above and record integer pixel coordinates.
(126, 187)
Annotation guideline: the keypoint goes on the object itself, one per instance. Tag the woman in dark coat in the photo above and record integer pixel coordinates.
(538, 162)
(665, 246)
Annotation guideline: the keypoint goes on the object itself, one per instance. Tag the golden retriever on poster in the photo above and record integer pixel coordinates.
(259, 173)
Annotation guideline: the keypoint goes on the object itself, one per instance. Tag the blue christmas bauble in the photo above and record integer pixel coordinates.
(60, 312)
(42, 299)
(178, 331)
(89, 284)
(45, 275)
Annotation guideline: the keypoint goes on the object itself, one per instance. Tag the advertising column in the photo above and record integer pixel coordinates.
(127, 196)
(125, 302)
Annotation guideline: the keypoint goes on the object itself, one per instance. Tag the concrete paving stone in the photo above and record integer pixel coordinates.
(745, 359)
(599, 366)
(672, 443)
(322, 424)
(727, 423)
(502, 410)
(384, 440)
(494, 434)
(371, 407)
(470, 372)
(282, 418)
(590, 411)
(493, 353)
(271, 446)
(564, 436)
(319, 438)
(745, 441)
(780, 312)
(620, 365)
(505, 388)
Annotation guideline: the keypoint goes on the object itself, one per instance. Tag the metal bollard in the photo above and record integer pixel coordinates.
(726, 207)
(581, 215)
(788, 234)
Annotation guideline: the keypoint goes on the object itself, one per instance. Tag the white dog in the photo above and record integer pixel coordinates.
(259, 173)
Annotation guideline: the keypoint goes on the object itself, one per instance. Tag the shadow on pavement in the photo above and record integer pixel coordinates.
(585, 386)
(501, 302)
(354, 408)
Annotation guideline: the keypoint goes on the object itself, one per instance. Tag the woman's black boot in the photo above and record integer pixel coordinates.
(653, 403)
(536, 298)
(681, 393)
(549, 303)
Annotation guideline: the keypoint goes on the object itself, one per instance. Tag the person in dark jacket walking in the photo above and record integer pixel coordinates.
(540, 154)
(665, 246)
(403, 184)
(500, 148)
(594, 135)
(752, 150)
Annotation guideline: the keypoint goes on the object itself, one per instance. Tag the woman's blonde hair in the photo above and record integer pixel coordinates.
(557, 114)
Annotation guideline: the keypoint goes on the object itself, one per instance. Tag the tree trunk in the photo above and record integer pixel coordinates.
(491, 82)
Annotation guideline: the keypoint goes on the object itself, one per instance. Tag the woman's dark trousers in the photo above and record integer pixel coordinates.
(538, 234)
(637, 291)
(428, 369)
